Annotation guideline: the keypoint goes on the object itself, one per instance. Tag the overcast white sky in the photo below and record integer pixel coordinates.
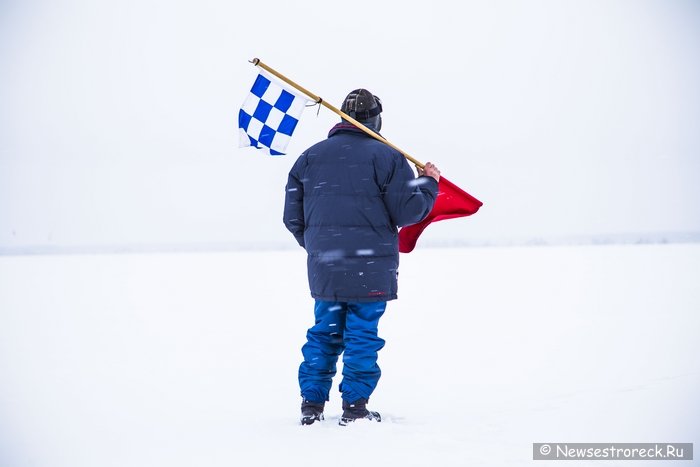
(118, 118)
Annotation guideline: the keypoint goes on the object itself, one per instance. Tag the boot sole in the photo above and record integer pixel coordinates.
(373, 417)
(309, 420)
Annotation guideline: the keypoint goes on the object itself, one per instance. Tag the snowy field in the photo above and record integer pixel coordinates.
(149, 360)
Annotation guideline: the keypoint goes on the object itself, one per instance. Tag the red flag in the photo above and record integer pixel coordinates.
(451, 202)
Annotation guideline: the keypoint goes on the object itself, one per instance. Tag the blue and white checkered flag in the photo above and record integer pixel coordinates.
(269, 115)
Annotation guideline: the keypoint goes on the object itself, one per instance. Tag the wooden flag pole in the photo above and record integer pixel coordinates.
(375, 135)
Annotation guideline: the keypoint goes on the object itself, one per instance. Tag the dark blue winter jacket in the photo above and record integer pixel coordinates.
(345, 198)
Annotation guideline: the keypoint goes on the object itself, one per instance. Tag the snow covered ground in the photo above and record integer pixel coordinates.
(190, 359)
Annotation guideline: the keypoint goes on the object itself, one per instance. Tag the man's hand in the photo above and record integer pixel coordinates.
(429, 170)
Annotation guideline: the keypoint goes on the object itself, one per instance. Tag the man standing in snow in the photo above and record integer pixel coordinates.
(346, 197)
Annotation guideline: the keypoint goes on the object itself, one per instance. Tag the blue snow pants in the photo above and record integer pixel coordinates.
(347, 328)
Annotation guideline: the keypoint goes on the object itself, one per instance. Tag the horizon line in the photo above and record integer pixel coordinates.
(213, 247)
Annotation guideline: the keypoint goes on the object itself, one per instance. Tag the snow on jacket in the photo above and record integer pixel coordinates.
(345, 198)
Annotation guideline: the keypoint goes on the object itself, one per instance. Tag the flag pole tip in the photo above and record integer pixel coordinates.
(254, 61)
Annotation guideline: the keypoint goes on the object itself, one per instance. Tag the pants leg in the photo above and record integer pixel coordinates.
(360, 370)
(324, 343)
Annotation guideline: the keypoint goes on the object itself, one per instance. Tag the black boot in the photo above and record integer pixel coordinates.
(357, 410)
(311, 412)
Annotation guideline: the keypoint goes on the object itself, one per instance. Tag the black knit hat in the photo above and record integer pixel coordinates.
(361, 105)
